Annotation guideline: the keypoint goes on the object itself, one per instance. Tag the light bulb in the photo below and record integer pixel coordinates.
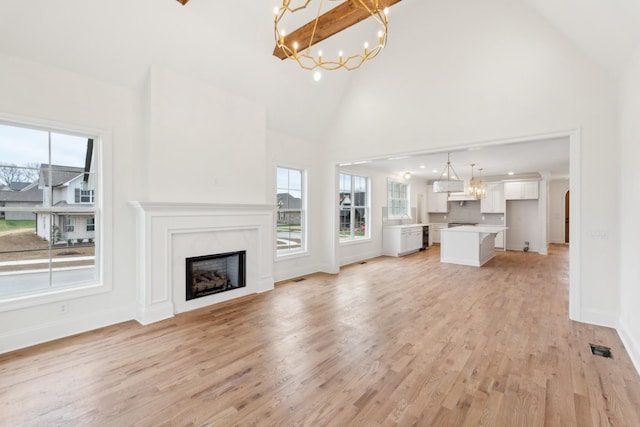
(276, 10)
(380, 34)
(386, 10)
(282, 32)
(295, 45)
(317, 76)
(366, 45)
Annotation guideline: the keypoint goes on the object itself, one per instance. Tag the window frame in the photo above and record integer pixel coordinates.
(353, 207)
(392, 211)
(102, 212)
(281, 214)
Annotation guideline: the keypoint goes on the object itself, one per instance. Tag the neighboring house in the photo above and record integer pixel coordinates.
(292, 207)
(65, 186)
(28, 195)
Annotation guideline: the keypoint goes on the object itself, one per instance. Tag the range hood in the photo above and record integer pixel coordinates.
(461, 196)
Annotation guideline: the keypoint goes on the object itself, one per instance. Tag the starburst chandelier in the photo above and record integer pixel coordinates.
(297, 45)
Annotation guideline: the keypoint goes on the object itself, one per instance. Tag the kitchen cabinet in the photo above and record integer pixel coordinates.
(398, 240)
(434, 232)
(493, 201)
(436, 202)
(523, 190)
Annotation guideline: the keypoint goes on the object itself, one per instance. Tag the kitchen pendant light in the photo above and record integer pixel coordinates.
(475, 188)
(448, 181)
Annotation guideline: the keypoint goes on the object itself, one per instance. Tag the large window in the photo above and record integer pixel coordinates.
(47, 191)
(354, 207)
(397, 199)
(291, 226)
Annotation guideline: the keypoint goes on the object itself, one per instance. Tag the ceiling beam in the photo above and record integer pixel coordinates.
(183, 2)
(330, 23)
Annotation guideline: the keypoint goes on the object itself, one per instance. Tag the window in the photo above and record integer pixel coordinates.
(49, 178)
(354, 207)
(291, 224)
(397, 199)
(69, 225)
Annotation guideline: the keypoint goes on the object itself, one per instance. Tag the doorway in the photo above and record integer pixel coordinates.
(567, 199)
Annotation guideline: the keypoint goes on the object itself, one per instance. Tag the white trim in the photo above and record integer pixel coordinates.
(103, 251)
(575, 173)
(631, 345)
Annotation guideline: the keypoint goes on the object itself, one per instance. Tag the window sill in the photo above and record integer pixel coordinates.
(292, 255)
(15, 302)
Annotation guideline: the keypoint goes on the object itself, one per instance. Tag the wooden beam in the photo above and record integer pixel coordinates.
(330, 23)
(183, 2)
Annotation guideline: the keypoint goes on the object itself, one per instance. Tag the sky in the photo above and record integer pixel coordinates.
(22, 146)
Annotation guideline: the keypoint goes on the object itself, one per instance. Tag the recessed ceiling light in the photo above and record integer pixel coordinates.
(422, 166)
(510, 173)
(435, 171)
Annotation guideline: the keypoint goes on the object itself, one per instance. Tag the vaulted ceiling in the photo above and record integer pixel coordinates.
(230, 44)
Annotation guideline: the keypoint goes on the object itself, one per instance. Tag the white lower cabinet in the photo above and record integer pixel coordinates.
(401, 240)
(434, 232)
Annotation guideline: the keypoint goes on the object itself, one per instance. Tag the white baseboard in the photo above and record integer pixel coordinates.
(360, 257)
(631, 344)
(69, 325)
(599, 318)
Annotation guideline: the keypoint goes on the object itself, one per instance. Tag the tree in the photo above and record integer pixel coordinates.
(10, 172)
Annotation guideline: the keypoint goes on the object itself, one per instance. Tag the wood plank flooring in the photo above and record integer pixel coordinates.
(394, 341)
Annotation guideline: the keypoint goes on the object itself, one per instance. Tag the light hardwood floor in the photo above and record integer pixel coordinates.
(394, 341)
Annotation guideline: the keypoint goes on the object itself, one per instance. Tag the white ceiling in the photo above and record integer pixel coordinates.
(546, 157)
(229, 45)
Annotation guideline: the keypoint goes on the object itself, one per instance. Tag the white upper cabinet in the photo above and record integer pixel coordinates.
(521, 190)
(493, 201)
(436, 202)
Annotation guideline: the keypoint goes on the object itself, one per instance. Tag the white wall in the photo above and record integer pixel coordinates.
(288, 151)
(557, 190)
(629, 209)
(41, 94)
(487, 71)
(205, 145)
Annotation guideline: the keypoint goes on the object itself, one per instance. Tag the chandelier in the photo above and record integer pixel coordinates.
(476, 187)
(297, 45)
(448, 181)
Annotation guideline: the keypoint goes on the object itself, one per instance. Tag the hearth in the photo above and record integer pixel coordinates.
(211, 274)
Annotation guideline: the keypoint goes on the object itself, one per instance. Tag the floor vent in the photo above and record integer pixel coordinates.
(362, 262)
(299, 279)
(600, 350)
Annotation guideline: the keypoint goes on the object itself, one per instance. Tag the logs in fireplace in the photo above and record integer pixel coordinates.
(211, 274)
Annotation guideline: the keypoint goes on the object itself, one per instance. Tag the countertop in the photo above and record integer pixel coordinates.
(477, 229)
(405, 225)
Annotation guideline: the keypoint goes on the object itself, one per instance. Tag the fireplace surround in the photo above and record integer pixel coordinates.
(169, 233)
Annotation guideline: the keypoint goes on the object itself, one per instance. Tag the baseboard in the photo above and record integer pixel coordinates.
(631, 344)
(599, 318)
(70, 325)
(360, 257)
(295, 272)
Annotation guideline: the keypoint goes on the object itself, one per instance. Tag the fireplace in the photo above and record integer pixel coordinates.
(212, 274)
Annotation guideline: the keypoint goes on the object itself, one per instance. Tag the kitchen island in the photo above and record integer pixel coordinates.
(468, 245)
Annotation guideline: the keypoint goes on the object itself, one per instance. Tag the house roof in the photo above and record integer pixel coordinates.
(18, 186)
(32, 195)
(59, 174)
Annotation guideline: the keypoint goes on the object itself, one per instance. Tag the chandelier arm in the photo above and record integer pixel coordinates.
(326, 25)
(315, 25)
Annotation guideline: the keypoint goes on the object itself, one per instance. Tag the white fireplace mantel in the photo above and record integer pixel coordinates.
(168, 233)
